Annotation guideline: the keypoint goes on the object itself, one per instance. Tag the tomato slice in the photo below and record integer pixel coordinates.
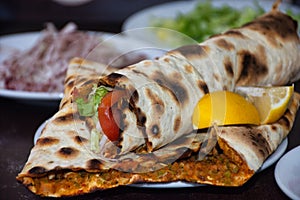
(108, 119)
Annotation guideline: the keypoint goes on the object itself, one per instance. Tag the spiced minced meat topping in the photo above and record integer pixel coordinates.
(221, 167)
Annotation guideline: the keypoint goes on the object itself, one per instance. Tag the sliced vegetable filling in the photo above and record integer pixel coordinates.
(109, 116)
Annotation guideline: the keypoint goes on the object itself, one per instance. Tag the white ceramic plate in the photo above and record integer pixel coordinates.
(287, 173)
(170, 10)
(23, 41)
(271, 160)
(20, 42)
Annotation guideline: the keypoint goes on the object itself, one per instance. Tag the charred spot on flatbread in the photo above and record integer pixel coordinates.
(140, 116)
(70, 78)
(188, 69)
(167, 60)
(134, 97)
(67, 118)
(147, 63)
(177, 76)
(224, 44)
(110, 80)
(65, 102)
(47, 141)
(203, 86)
(217, 77)
(67, 152)
(80, 140)
(261, 143)
(155, 131)
(38, 170)
(140, 72)
(156, 101)
(177, 123)
(94, 164)
(274, 127)
(252, 67)
(285, 121)
(176, 88)
(190, 51)
(228, 67)
(275, 23)
(234, 33)
(70, 82)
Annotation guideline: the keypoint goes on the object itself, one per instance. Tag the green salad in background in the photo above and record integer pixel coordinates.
(206, 20)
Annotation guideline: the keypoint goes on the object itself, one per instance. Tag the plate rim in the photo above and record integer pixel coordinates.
(27, 95)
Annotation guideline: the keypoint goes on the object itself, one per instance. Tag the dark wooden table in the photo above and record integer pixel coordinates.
(20, 119)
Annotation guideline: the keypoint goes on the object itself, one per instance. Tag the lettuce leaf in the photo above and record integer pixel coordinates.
(89, 107)
(205, 20)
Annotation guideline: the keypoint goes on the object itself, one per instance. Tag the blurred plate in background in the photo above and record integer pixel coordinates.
(10, 44)
(287, 173)
(144, 18)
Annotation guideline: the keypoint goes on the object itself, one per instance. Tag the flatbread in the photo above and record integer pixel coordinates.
(64, 163)
(261, 53)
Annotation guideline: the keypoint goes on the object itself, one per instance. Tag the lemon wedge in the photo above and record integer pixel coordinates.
(271, 102)
(224, 108)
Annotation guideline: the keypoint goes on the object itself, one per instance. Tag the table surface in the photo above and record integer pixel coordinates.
(20, 119)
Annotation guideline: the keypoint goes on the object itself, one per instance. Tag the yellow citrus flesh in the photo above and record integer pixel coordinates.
(271, 102)
(224, 108)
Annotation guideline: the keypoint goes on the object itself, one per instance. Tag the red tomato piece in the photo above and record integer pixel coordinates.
(109, 122)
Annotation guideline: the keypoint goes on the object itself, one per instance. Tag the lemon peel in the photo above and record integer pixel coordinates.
(224, 108)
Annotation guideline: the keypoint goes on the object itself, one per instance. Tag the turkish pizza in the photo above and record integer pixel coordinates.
(118, 127)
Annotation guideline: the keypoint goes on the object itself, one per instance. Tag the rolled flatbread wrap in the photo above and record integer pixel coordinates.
(164, 92)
